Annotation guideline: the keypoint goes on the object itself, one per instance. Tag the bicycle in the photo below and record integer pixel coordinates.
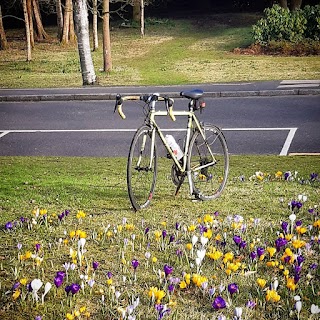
(204, 161)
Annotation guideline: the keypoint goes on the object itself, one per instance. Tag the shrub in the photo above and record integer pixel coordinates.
(280, 24)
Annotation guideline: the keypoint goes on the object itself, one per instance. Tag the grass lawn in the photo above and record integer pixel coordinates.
(177, 254)
(179, 51)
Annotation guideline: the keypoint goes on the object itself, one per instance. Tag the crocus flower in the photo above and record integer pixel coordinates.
(280, 242)
(73, 288)
(219, 303)
(233, 288)
(8, 225)
(260, 251)
(38, 245)
(58, 280)
(135, 264)
(95, 265)
(237, 239)
(167, 269)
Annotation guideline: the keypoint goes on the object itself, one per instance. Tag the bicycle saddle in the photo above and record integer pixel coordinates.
(192, 94)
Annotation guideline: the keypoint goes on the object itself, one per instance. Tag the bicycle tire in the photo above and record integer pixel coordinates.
(208, 181)
(141, 178)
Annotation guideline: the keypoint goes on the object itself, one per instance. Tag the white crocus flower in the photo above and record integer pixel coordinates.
(238, 312)
(204, 240)
(194, 239)
(47, 288)
(36, 284)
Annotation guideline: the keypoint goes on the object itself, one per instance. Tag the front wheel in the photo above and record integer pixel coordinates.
(141, 168)
(208, 163)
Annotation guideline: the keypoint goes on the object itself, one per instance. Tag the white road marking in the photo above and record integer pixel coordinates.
(284, 150)
(299, 84)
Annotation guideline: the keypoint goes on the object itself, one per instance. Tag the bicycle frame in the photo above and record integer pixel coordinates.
(192, 123)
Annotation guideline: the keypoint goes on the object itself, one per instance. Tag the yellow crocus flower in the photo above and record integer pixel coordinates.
(191, 228)
(23, 281)
(291, 284)
(271, 251)
(16, 294)
(208, 218)
(157, 234)
(261, 282)
(183, 285)
(69, 316)
(189, 246)
(208, 234)
(272, 296)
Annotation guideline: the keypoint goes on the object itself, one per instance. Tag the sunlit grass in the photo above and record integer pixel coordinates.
(171, 52)
(166, 237)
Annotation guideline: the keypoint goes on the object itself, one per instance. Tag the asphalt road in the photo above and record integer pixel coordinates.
(270, 124)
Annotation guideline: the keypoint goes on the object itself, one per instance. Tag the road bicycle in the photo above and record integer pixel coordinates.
(204, 160)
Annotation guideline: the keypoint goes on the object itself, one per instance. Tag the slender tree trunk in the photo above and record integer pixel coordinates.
(136, 11)
(72, 35)
(283, 4)
(30, 20)
(142, 17)
(36, 11)
(3, 38)
(82, 31)
(59, 18)
(28, 37)
(66, 22)
(295, 4)
(95, 25)
(107, 61)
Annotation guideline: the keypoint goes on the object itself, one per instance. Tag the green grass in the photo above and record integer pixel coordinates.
(98, 187)
(172, 52)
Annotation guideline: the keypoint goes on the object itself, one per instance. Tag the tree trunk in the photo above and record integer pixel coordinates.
(142, 17)
(59, 19)
(136, 11)
(95, 25)
(295, 4)
(41, 32)
(28, 37)
(3, 38)
(30, 22)
(72, 35)
(66, 22)
(82, 31)
(283, 4)
(107, 61)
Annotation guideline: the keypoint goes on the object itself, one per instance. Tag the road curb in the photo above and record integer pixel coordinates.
(111, 96)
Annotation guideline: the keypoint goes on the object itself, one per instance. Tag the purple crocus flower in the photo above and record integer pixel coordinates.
(164, 233)
(285, 226)
(313, 176)
(251, 304)
(298, 223)
(135, 264)
(61, 216)
(95, 265)
(38, 245)
(171, 288)
(61, 274)
(237, 239)
(8, 225)
(146, 230)
(280, 242)
(73, 288)
(167, 269)
(219, 303)
(260, 251)
(313, 266)
(300, 259)
(177, 225)
(162, 310)
(253, 255)
(297, 269)
(58, 280)
(233, 288)
(15, 286)
(109, 274)
(171, 239)
(202, 229)
(38, 318)
(242, 244)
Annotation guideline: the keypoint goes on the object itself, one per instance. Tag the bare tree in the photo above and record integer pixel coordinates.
(82, 31)
(28, 36)
(59, 18)
(95, 24)
(37, 16)
(68, 27)
(107, 61)
(3, 38)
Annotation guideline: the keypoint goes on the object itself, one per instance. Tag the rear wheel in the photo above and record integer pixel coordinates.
(208, 163)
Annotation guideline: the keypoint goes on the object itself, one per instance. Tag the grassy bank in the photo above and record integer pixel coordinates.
(172, 52)
(150, 264)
